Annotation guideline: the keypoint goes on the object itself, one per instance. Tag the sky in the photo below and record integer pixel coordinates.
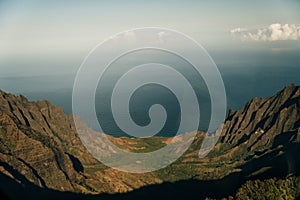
(53, 37)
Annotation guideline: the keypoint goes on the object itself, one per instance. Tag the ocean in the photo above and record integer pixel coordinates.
(242, 83)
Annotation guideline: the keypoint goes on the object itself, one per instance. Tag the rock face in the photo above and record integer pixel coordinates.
(39, 145)
(264, 121)
(40, 142)
(36, 139)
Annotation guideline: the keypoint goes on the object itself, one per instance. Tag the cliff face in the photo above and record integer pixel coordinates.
(39, 144)
(35, 139)
(265, 122)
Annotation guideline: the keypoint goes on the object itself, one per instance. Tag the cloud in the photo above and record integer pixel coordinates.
(130, 36)
(237, 30)
(162, 36)
(274, 32)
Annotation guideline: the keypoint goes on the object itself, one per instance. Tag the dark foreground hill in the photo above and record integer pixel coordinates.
(41, 156)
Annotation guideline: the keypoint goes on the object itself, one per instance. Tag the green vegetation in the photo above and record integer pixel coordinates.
(140, 145)
(282, 189)
(221, 150)
(177, 172)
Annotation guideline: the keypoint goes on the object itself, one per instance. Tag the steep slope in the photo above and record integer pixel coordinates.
(262, 136)
(38, 140)
(261, 120)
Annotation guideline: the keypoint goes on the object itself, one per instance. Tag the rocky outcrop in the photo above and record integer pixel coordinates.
(264, 121)
(40, 142)
(35, 139)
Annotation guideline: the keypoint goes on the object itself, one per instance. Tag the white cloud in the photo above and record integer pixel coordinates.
(130, 36)
(275, 32)
(162, 36)
(237, 30)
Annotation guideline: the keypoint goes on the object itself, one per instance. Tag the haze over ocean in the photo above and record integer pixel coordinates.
(42, 45)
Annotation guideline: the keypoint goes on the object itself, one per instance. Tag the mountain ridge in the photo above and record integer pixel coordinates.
(39, 146)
